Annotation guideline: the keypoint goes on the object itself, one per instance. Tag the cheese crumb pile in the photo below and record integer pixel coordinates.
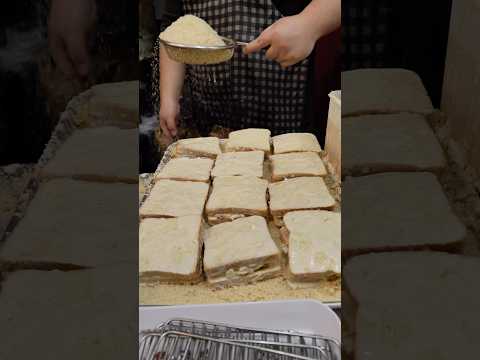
(268, 290)
(193, 31)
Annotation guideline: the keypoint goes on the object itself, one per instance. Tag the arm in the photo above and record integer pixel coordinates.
(172, 75)
(292, 38)
(324, 16)
(69, 24)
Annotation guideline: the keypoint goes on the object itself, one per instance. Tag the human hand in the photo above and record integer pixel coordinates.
(291, 39)
(169, 115)
(69, 25)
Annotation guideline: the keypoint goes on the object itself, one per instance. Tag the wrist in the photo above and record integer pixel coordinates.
(312, 26)
(166, 100)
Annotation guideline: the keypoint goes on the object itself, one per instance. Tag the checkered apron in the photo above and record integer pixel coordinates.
(248, 91)
(366, 34)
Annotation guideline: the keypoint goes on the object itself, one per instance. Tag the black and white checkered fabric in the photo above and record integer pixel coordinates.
(248, 91)
(366, 33)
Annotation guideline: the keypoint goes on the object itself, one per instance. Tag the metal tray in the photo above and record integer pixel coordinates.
(298, 327)
(305, 316)
(331, 181)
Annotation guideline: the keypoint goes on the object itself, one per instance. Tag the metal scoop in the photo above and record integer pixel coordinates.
(201, 54)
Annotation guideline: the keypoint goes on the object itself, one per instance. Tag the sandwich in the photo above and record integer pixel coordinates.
(302, 193)
(314, 243)
(398, 211)
(108, 104)
(397, 298)
(249, 140)
(295, 142)
(382, 91)
(88, 155)
(234, 197)
(169, 198)
(249, 163)
(300, 164)
(241, 251)
(187, 169)
(170, 250)
(72, 223)
(390, 142)
(198, 147)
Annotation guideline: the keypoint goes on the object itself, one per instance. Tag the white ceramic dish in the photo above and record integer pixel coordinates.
(307, 316)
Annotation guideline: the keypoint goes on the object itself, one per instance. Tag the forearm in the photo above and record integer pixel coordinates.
(172, 75)
(323, 16)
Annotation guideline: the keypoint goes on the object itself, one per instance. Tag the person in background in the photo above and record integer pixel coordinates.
(69, 24)
(267, 85)
(277, 83)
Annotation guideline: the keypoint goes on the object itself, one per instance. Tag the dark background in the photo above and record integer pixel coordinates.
(399, 34)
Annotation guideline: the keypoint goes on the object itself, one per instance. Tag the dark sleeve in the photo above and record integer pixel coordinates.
(289, 7)
(168, 11)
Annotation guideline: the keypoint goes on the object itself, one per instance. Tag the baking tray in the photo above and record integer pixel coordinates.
(149, 179)
(305, 316)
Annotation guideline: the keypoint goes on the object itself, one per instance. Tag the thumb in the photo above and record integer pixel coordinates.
(262, 41)
(78, 51)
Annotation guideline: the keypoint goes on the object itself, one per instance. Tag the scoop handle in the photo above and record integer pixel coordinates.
(241, 43)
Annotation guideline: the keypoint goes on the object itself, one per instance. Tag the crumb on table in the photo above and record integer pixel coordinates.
(274, 289)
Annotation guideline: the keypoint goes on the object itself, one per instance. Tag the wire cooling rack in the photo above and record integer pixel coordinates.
(202, 340)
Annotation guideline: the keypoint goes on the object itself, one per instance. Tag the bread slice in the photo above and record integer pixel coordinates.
(398, 211)
(79, 223)
(110, 104)
(186, 169)
(381, 91)
(236, 196)
(249, 140)
(241, 251)
(170, 250)
(169, 198)
(403, 296)
(295, 142)
(296, 165)
(390, 142)
(249, 163)
(302, 193)
(314, 243)
(199, 147)
(93, 154)
(89, 308)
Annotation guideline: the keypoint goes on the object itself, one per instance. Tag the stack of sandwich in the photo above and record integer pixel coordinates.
(398, 271)
(394, 158)
(215, 207)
